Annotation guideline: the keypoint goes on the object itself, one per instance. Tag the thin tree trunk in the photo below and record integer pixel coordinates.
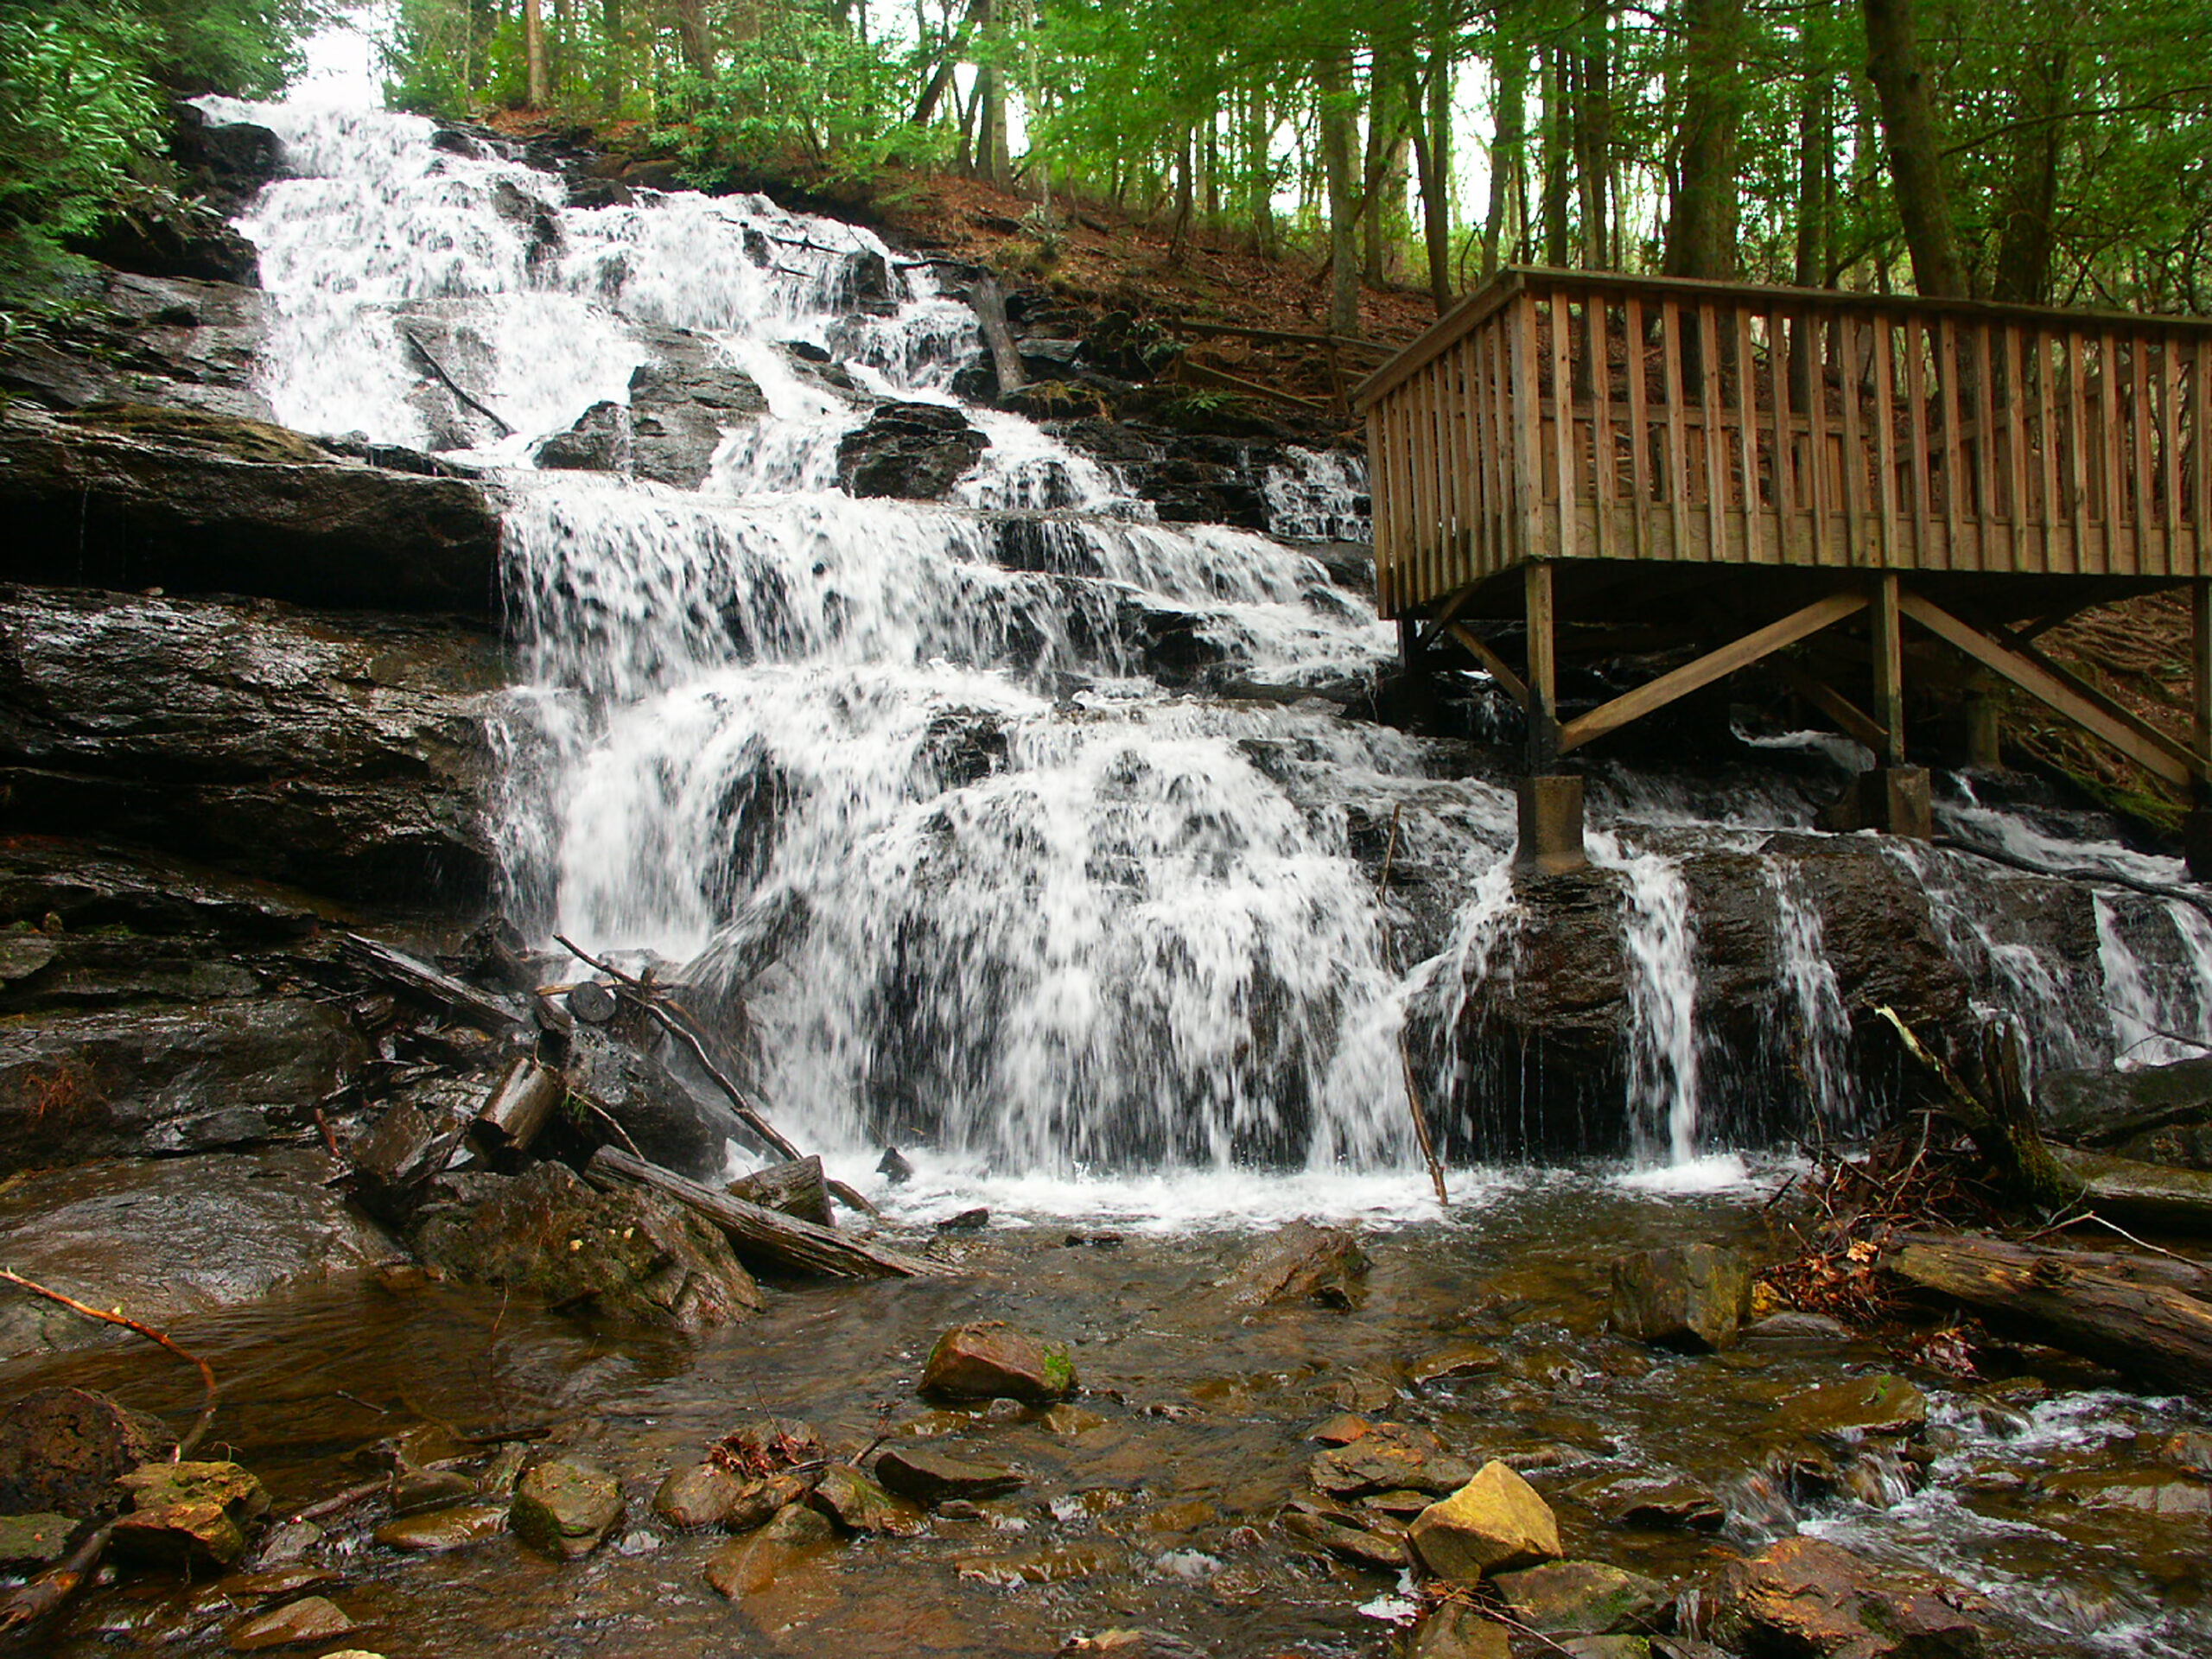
(1507, 165)
(693, 39)
(2026, 237)
(1259, 171)
(533, 51)
(611, 78)
(1701, 225)
(925, 105)
(1594, 128)
(1185, 202)
(1815, 164)
(1433, 155)
(1332, 77)
(1909, 137)
(1558, 151)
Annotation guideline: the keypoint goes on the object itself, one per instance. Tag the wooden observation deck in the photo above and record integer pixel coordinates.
(1612, 458)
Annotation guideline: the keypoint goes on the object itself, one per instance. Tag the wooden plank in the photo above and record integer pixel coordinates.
(1985, 454)
(1378, 493)
(1565, 450)
(1747, 436)
(1885, 439)
(1501, 429)
(1677, 457)
(2108, 452)
(1639, 424)
(1888, 663)
(2045, 687)
(1854, 447)
(1715, 442)
(1542, 703)
(2092, 695)
(1947, 387)
(2139, 481)
(1713, 665)
(1493, 665)
(1785, 458)
(2170, 453)
(1820, 484)
(2200, 440)
(1520, 320)
(2078, 442)
(1916, 383)
(2015, 453)
(415, 977)
(1596, 317)
(2047, 429)
(757, 1232)
(1487, 455)
(1855, 721)
(1471, 471)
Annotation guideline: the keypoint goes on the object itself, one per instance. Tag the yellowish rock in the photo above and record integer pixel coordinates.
(1494, 1524)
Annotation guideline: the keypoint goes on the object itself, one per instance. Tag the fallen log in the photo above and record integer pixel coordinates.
(412, 974)
(763, 1234)
(452, 385)
(2148, 1196)
(2152, 1333)
(990, 320)
(793, 1189)
(521, 1104)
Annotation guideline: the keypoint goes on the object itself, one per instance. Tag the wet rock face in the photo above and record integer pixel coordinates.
(565, 1510)
(223, 162)
(175, 235)
(212, 506)
(345, 754)
(173, 1238)
(177, 342)
(911, 452)
(2159, 1114)
(1694, 1297)
(628, 1253)
(189, 1514)
(679, 404)
(992, 1361)
(1802, 1595)
(1494, 1524)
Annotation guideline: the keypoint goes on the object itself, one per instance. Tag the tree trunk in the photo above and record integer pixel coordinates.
(2153, 1328)
(1259, 171)
(533, 51)
(1332, 76)
(793, 1189)
(1433, 155)
(1507, 163)
(693, 40)
(1559, 157)
(2026, 237)
(1909, 139)
(925, 105)
(1185, 203)
(1593, 130)
(1703, 216)
(611, 80)
(1816, 162)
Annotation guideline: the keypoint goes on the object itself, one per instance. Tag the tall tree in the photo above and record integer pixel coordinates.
(1704, 211)
(1914, 154)
(533, 51)
(1332, 79)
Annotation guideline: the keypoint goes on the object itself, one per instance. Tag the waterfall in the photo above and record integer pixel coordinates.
(1660, 939)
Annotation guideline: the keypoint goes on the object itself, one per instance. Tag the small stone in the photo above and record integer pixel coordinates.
(749, 1566)
(928, 1475)
(183, 1513)
(858, 1504)
(1794, 1330)
(995, 1360)
(415, 1490)
(316, 1618)
(894, 1168)
(1065, 1419)
(285, 1543)
(967, 1221)
(1695, 1297)
(1861, 1406)
(443, 1529)
(565, 1508)
(799, 1523)
(1453, 1630)
(1492, 1524)
(1456, 1363)
(1340, 1430)
(278, 1581)
(1302, 1263)
(1664, 1504)
(1389, 1457)
(61, 1450)
(1361, 1391)
(29, 1542)
(1587, 1596)
(703, 1495)
(1363, 1540)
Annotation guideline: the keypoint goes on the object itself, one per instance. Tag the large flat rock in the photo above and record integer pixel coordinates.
(173, 1239)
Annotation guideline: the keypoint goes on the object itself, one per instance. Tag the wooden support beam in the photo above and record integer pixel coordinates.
(1713, 665)
(2148, 749)
(1855, 721)
(1889, 670)
(1453, 606)
(1493, 665)
(1542, 699)
(2092, 695)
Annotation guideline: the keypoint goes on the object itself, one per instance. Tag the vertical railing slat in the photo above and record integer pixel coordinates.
(2138, 470)
(1597, 329)
(2078, 442)
(1886, 436)
(1639, 424)
(1845, 330)
(2016, 455)
(1677, 451)
(1947, 373)
(1747, 433)
(2109, 447)
(1921, 455)
(1566, 451)
(1818, 485)
(1712, 419)
(1985, 454)
(2169, 451)
(2047, 430)
(1528, 482)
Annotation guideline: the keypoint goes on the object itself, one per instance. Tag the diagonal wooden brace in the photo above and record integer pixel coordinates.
(2063, 693)
(1713, 665)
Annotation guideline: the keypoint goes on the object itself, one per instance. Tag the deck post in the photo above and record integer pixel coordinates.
(1549, 801)
(1893, 796)
(2197, 831)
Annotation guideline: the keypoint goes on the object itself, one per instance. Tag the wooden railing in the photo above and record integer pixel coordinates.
(1563, 415)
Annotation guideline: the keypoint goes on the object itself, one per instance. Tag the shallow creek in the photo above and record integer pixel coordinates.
(1152, 1498)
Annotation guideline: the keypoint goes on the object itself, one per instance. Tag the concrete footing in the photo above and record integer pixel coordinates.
(2196, 843)
(1892, 799)
(1551, 825)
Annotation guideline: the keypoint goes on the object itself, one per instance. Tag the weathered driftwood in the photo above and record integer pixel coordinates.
(762, 1234)
(795, 1189)
(593, 1002)
(412, 974)
(521, 1104)
(990, 318)
(2150, 1329)
(452, 385)
(2142, 1195)
(2003, 1125)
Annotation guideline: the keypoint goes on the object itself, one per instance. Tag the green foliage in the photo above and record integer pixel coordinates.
(83, 108)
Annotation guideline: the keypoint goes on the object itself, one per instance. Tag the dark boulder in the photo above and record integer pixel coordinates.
(344, 753)
(2156, 1114)
(173, 236)
(681, 403)
(1806, 1596)
(598, 442)
(63, 1450)
(222, 162)
(217, 505)
(910, 452)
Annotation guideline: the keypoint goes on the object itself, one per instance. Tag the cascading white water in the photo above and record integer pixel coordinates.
(1660, 937)
(1822, 1023)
